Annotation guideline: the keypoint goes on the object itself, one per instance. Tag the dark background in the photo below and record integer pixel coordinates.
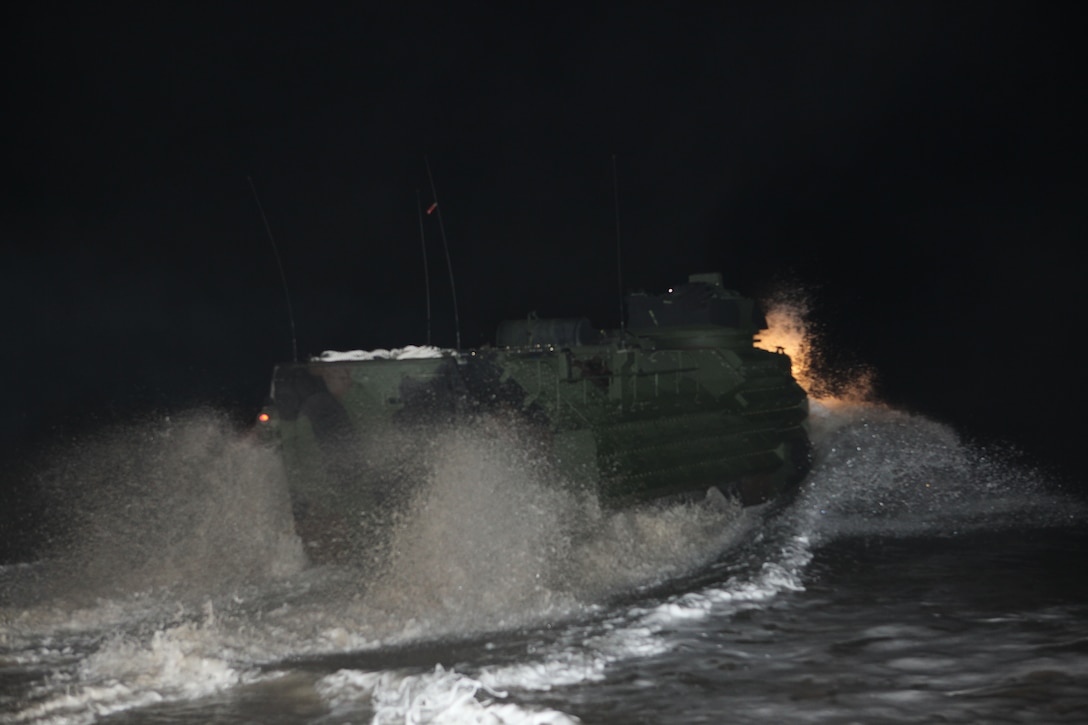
(918, 167)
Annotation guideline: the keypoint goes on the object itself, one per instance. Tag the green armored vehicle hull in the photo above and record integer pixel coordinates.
(676, 404)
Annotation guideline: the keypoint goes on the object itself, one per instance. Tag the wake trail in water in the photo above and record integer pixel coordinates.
(176, 574)
(878, 472)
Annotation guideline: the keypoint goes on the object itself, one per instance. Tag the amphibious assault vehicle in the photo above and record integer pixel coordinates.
(677, 403)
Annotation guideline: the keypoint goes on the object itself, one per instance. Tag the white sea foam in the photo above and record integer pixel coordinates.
(440, 696)
(641, 633)
(774, 577)
(586, 661)
(182, 662)
(560, 669)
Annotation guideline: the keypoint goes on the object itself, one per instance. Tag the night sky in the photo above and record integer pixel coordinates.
(918, 167)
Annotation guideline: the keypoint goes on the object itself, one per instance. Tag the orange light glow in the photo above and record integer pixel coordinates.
(263, 417)
(788, 330)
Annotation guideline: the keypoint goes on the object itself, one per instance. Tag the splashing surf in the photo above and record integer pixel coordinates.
(176, 575)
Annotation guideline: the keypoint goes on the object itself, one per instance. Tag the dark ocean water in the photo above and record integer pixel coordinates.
(914, 579)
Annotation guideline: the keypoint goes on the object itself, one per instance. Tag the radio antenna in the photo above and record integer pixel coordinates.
(279, 263)
(619, 246)
(426, 272)
(445, 245)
